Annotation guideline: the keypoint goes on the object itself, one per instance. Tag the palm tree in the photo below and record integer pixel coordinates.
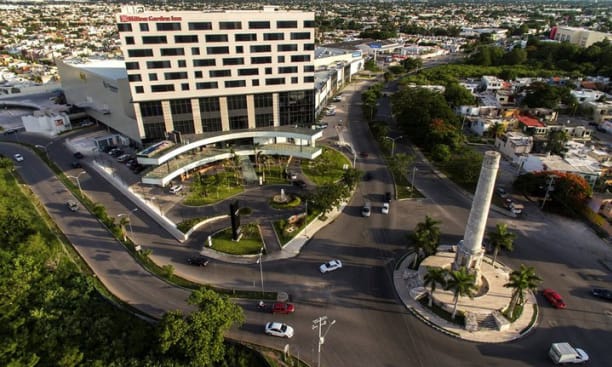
(123, 221)
(501, 239)
(498, 130)
(426, 237)
(521, 280)
(462, 284)
(432, 278)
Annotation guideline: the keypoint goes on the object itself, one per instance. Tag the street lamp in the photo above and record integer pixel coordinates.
(77, 180)
(44, 147)
(393, 143)
(261, 269)
(414, 169)
(549, 188)
(318, 324)
(129, 221)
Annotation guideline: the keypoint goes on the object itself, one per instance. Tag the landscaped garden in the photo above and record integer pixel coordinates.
(250, 242)
(328, 168)
(209, 189)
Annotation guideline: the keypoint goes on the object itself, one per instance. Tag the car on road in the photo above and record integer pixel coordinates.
(367, 176)
(124, 158)
(18, 157)
(337, 98)
(78, 155)
(602, 293)
(279, 329)
(198, 261)
(75, 164)
(385, 208)
(330, 113)
(86, 123)
(283, 307)
(363, 154)
(388, 197)
(554, 298)
(501, 192)
(366, 211)
(299, 183)
(330, 266)
(72, 205)
(175, 189)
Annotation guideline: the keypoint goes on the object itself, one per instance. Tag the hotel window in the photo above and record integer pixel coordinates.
(309, 46)
(274, 36)
(139, 89)
(175, 75)
(185, 86)
(286, 24)
(309, 24)
(204, 62)
(184, 126)
(264, 120)
(180, 106)
(309, 68)
(287, 47)
(300, 35)
(253, 71)
(129, 40)
(263, 100)
(238, 122)
(281, 59)
(124, 27)
(236, 103)
(239, 49)
(151, 40)
(172, 52)
(233, 61)
(144, 27)
(216, 38)
(158, 64)
(182, 64)
(245, 37)
(198, 74)
(209, 104)
(300, 58)
(135, 78)
(255, 82)
(217, 50)
(148, 109)
(230, 25)
(268, 71)
(261, 60)
(207, 85)
(140, 53)
(210, 125)
(195, 51)
(152, 77)
(219, 73)
(261, 48)
(191, 38)
(287, 69)
(275, 81)
(259, 25)
(235, 83)
(309, 79)
(132, 65)
(200, 26)
(294, 80)
(168, 26)
(155, 130)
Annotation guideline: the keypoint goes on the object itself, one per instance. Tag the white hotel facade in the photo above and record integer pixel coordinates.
(221, 83)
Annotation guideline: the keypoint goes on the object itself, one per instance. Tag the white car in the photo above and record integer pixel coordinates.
(330, 266)
(18, 157)
(279, 329)
(176, 189)
(385, 208)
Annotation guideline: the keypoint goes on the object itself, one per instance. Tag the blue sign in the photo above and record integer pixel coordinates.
(375, 45)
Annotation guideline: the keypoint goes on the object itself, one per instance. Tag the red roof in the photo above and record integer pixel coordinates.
(530, 121)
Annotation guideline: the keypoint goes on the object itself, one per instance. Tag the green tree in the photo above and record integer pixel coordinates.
(351, 177)
(425, 238)
(412, 64)
(556, 142)
(457, 95)
(197, 338)
(432, 278)
(462, 284)
(441, 153)
(501, 239)
(520, 281)
(497, 130)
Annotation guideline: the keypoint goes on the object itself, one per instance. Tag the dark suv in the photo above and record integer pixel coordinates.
(197, 261)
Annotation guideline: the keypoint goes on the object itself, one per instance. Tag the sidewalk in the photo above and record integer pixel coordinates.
(406, 280)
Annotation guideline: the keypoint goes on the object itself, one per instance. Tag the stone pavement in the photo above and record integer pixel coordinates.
(498, 297)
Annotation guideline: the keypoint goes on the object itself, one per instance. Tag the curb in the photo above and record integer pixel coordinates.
(432, 325)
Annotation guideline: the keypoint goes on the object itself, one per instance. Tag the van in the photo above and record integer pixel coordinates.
(366, 210)
(565, 353)
(175, 189)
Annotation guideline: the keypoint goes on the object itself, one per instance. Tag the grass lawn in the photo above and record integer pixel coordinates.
(274, 176)
(459, 317)
(249, 244)
(327, 168)
(213, 192)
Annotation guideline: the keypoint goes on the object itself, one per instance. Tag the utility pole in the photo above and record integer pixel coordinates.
(318, 323)
(549, 188)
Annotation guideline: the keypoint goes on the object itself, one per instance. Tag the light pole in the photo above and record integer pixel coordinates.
(44, 147)
(77, 180)
(549, 188)
(261, 269)
(129, 221)
(414, 169)
(393, 143)
(318, 324)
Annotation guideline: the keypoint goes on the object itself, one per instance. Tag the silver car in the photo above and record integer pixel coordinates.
(279, 329)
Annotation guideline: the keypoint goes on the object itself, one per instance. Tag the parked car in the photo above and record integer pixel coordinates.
(299, 183)
(387, 197)
(283, 307)
(86, 123)
(554, 298)
(116, 152)
(72, 205)
(602, 293)
(337, 98)
(385, 208)
(138, 168)
(330, 266)
(321, 125)
(78, 155)
(501, 192)
(124, 158)
(198, 261)
(330, 113)
(18, 157)
(366, 210)
(279, 329)
(175, 189)
(75, 164)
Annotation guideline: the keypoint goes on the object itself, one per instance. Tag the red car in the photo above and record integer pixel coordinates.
(283, 307)
(554, 298)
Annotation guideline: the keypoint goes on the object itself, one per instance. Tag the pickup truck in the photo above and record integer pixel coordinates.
(565, 353)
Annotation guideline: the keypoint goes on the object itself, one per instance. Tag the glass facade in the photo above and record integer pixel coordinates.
(296, 108)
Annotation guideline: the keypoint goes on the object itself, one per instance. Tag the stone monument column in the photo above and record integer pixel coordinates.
(470, 251)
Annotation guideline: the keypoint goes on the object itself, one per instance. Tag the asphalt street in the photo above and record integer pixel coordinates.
(372, 327)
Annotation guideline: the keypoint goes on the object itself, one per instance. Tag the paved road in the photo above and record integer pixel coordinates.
(372, 327)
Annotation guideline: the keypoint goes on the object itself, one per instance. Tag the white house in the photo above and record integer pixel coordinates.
(47, 123)
(513, 145)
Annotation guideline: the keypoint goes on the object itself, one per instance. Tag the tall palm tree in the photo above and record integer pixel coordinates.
(521, 280)
(123, 221)
(501, 239)
(426, 237)
(432, 278)
(462, 284)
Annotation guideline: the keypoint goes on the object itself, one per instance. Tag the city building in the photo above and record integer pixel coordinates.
(578, 36)
(513, 144)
